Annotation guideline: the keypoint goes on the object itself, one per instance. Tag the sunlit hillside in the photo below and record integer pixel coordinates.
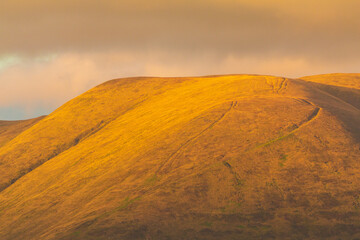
(221, 157)
(10, 129)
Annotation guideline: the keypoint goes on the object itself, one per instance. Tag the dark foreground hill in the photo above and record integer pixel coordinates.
(224, 157)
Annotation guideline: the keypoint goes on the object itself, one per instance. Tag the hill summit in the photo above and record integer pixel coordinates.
(217, 157)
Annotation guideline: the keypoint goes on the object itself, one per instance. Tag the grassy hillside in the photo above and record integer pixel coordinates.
(344, 86)
(10, 129)
(349, 80)
(226, 157)
(74, 121)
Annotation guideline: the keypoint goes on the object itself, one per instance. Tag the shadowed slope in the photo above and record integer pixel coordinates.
(343, 86)
(349, 80)
(253, 157)
(343, 101)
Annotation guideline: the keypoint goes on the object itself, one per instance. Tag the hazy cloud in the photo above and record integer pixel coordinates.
(50, 51)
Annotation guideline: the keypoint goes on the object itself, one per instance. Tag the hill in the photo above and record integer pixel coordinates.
(220, 157)
(349, 80)
(10, 129)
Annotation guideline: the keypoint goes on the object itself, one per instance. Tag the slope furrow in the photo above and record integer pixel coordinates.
(166, 165)
(302, 124)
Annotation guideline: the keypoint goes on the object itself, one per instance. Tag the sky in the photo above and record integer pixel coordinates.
(52, 51)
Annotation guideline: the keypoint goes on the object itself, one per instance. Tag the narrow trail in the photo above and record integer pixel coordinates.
(311, 117)
(283, 86)
(301, 100)
(270, 84)
(277, 86)
(234, 173)
(168, 163)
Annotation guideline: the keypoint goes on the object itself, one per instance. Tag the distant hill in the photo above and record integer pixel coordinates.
(220, 157)
(10, 129)
(350, 80)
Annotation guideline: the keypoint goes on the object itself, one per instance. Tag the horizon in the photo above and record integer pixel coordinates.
(41, 112)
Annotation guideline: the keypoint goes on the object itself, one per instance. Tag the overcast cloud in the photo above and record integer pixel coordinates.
(51, 51)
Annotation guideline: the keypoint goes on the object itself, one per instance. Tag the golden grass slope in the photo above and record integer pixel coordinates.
(10, 129)
(223, 157)
(73, 122)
